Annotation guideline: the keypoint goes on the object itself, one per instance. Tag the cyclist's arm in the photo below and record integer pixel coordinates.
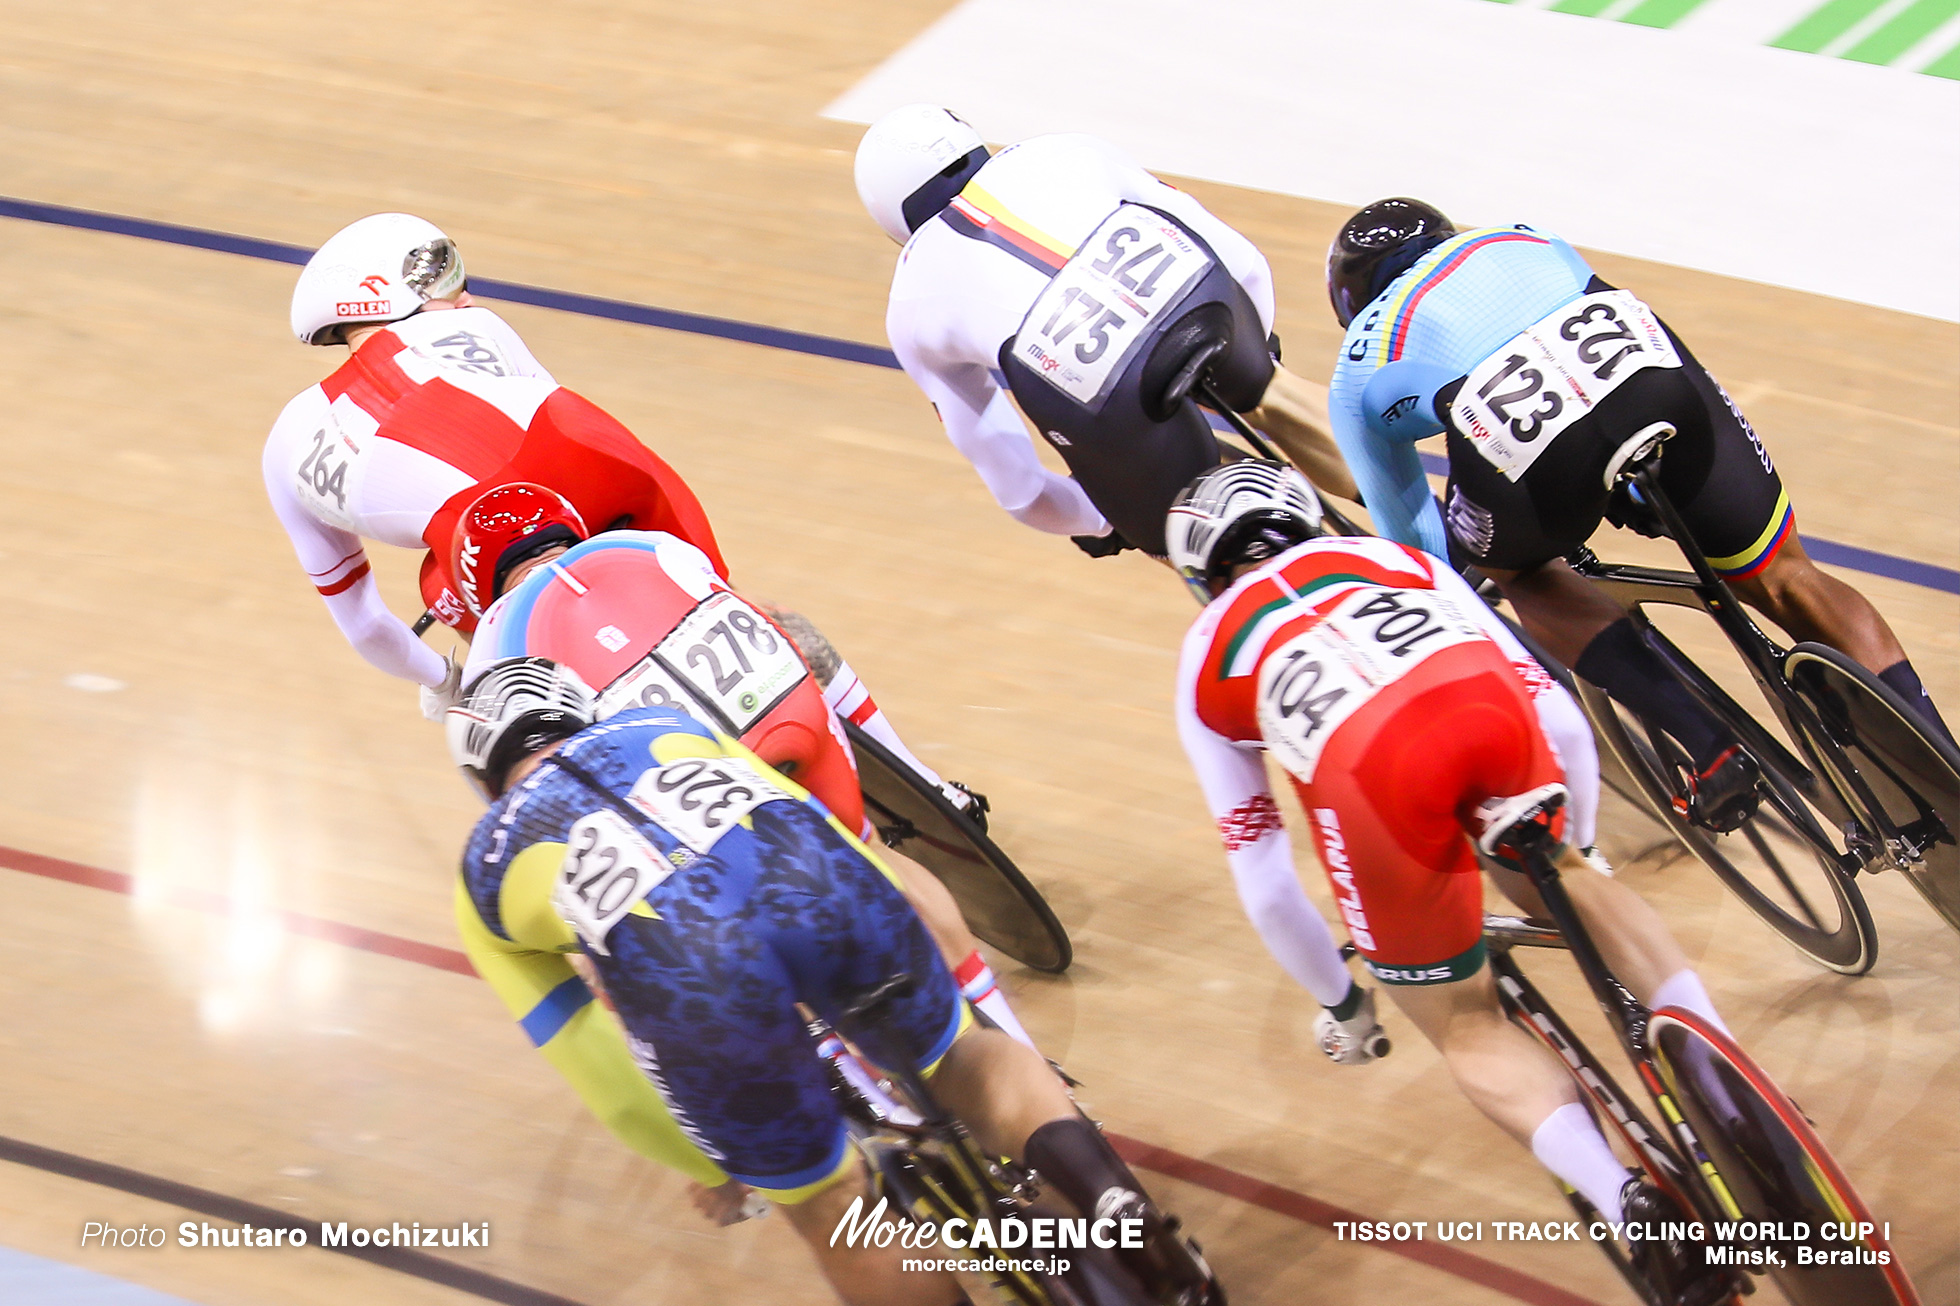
(533, 976)
(1388, 472)
(337, 566)
(985, 426)
(1260, 855)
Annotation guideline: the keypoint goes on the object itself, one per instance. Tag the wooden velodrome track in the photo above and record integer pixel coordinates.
(672, 155)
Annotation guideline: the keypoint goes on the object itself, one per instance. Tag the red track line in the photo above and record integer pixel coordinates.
(1311, 1210)
(351, 936)
(1230, 1183)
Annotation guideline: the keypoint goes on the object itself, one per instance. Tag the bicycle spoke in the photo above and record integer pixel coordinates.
(1783, 865)
(1775, 864)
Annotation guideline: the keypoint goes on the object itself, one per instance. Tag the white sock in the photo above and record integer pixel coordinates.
(978, 986)
(849, 699)
(1570, 1145)
(1684, 989)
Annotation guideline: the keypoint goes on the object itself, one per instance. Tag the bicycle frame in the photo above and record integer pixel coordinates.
(1846, 798)
(923, 1158)
(1666, 1156)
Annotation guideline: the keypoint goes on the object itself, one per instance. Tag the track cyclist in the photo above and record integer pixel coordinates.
(437, 399)
(1546, 378)
(646, 620)
(712, 897)
(1045, 274)
(438, 402)
(1401, 709)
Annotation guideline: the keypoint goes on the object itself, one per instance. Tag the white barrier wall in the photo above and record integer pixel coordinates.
(1695, 145)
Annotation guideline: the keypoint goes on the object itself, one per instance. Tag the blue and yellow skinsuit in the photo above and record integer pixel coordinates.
(716, 1074)
(1456, 306)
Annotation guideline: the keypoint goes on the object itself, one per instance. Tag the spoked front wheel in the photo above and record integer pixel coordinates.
(1770, 1167)
(1911, 774)
(1779, 863)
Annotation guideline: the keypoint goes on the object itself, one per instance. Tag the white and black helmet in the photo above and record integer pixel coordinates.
(1242, 512)
(912, 162)
(512, 710)
(380, 269)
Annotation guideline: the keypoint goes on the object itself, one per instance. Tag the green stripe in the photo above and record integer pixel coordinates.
(1245, 628)
(1258, 614)
(1661, 13)
(1825, 24)
(1947, 65)
(1450, 971)
(1907, 29)
(1589, 8)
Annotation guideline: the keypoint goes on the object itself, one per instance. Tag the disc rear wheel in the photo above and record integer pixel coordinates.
(1774, 1169)
(914, 818)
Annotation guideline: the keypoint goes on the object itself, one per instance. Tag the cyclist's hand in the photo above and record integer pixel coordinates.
(729, 1204)
(1102, 546)
(1355, 1041)
(438, 699)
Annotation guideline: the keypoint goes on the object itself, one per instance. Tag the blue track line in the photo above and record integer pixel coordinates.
(1926, 574)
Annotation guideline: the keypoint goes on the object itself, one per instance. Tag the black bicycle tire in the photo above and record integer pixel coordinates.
(1911, 780)
(999, 903)
(1781, 1175)
(1828, 948)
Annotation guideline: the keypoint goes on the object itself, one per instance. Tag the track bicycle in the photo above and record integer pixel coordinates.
(1736, 1154)
(1866, 787)
(932, 1170)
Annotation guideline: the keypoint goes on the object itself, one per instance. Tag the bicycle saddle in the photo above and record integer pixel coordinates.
(1521, 823)
(868, 1005)
(1180, 359)
(1634, 448)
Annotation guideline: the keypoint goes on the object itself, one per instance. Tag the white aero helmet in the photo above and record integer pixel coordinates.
(912, 162)
(512, 710)
(1241, 512)
(380, 269)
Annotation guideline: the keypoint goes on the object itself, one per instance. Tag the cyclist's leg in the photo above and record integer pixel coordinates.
(1730, 495)
(708, 996)
(1293, 411)
(1638, 947)
(1518, 533)
(957, 946)
(1012, 1100)
(1813, 605)
(848, 697)
(1515, 1081)
(1385, 805)
(864, 1276)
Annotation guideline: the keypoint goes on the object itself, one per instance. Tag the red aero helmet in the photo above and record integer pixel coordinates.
(492, 529)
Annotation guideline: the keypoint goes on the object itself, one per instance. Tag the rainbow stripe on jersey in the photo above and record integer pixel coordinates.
(1751, 561)
(1400, 310)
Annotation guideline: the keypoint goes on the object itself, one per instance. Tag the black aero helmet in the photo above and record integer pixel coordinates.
(1376, 246)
